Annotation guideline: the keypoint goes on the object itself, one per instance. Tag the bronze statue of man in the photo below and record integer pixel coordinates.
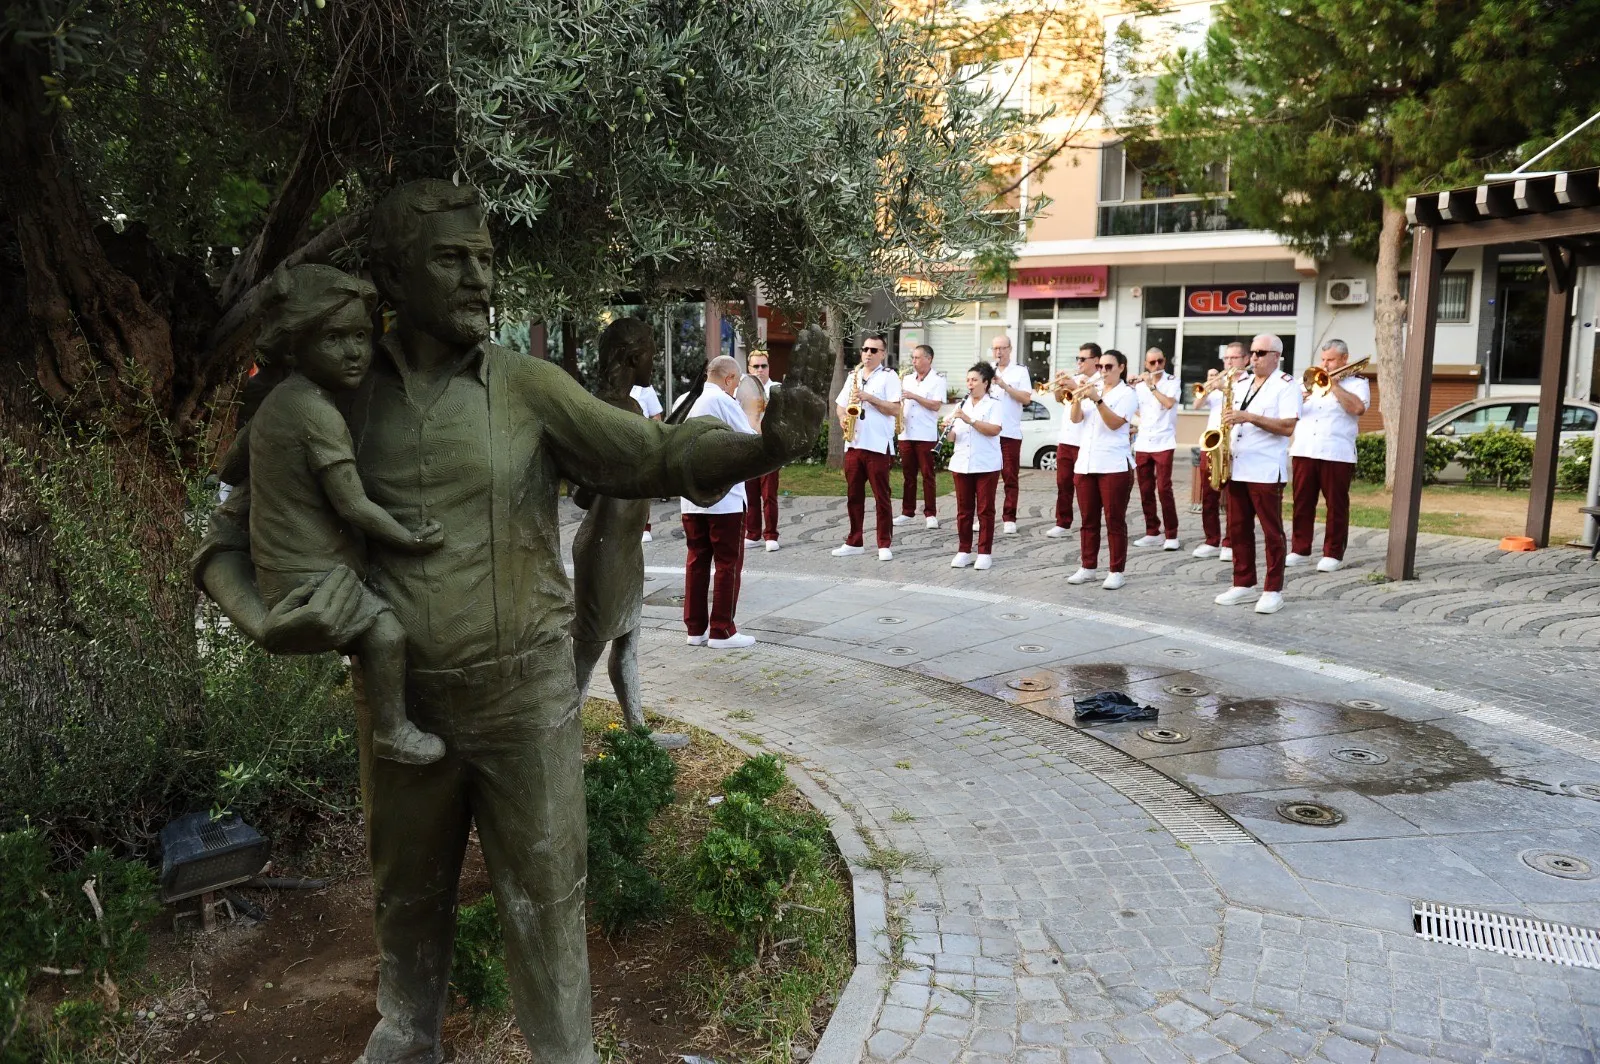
(449, 427)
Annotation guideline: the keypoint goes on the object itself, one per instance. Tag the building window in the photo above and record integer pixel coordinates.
(1162, 301)
(1454, 306)
(1141, 193)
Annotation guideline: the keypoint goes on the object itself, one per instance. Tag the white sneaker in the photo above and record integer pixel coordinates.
(961, 560)
(1330, 565)
(1235, 595)
(1171, 544)
(1009, 528)
(751, 543)
(984, 561)
(646, 537)
(1059, 531)
(933, 522)
(1206, 550)
(737, 641)
(1271, 602)
(845, 550)
(1296, 559)
(772, 545)
(885, 554)
(1082, 576)
(1225, 554)
(1114, 581)
(697, 640)
(1147, 541)
(901, 519)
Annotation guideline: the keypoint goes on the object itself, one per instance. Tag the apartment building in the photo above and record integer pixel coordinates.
(1123, 255)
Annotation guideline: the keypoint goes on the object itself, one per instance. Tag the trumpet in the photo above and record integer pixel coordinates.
(1085, 390)
(1320, 382)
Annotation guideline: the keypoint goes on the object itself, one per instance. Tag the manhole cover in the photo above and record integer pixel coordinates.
(1361, 703)
(1312, 813)
(901, 652)
(1179, 652)
(1560, 865)
(1031, 648)
(1583, 790)
(1013, 616)
(1185, 690)
(1356, 755)
(1163, 735)
(891, 620)
(1030, 683)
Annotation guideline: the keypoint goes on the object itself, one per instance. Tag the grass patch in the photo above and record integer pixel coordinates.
(902, 816)
(801, 479)
(1459, 510)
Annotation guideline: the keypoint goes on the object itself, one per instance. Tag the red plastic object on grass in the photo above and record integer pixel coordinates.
(1517, 543)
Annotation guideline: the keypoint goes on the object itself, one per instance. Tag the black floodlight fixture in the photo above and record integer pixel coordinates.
(200, 855)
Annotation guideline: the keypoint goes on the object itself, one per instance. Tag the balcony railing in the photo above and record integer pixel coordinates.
(1149, 217)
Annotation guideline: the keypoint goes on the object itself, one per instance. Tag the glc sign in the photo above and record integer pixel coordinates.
(1240, 301)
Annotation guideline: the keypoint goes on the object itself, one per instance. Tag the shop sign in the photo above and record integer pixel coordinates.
(1059, 282)
(1240, 301)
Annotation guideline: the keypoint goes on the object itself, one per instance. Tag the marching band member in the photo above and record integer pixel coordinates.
(715, 532)
(1071, 434)
(1014, 388)
(1323, 455)
(1104, 473)
(924, 393)
(975, 465)
(761, 511)
(1261, 421)
(1153, 449)
(1234, 360)
(876, 390)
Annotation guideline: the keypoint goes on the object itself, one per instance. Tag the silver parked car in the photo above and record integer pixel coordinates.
(1578, 418)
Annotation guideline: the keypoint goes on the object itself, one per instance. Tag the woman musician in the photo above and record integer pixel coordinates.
(975, 466)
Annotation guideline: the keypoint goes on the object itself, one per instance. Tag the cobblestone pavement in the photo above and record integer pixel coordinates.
(1033, 892)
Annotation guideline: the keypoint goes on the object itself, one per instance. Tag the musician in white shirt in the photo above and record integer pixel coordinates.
(1153, 450)
(1014, 389)
(649, 405)
(1104, 472)
(1323, 457)
(1234, 360)
(761, 494)
(715, 533)
(1069, 437)
(1265, 409)
(975, 466)
(923, 393)
(868, 456)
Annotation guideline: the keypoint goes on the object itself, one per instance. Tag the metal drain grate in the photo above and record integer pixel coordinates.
(1512, 936)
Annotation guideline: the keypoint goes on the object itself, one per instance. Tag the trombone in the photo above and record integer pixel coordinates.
(1319, 382)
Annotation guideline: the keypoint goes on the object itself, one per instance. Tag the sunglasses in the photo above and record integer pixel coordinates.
(872, 350)
(1158, 362)
(1263, 354)
(1108, 365)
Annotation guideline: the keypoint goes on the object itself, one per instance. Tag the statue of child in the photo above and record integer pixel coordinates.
(308, 510)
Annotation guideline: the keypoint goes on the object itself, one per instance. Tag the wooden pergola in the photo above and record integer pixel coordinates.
(1560, 212)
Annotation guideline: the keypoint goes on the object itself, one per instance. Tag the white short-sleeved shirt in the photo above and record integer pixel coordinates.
(1071, 434)
(1158, 425)
(974, 452)
(649, 402)
(714, 402)
(920, 422)
(1259, 456)
(874, 429)
(1325, 430)
(1105, 449)
(1015, 375)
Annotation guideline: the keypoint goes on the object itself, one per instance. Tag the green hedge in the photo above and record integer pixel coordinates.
(1439, 451)
(1501, 456)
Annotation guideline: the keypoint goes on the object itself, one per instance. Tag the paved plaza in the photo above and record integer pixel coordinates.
(1030, 891)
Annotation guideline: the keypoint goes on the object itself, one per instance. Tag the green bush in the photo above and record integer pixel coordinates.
(1438, 452)
(1499, 455)
(478, 969)
(624, 787)
(758, 859)
(1572, 474)
(50, 922)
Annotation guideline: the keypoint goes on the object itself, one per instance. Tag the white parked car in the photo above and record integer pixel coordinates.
(1041, 428)
(1578, 419)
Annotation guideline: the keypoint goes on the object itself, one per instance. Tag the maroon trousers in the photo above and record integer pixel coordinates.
(719, 539)
(1248, 503)
(1066, 458)
(916, 456)
(1332, 479)
(1010, 461)
(1107, 493)
(1155, 479)
(860, 467)
(761, 507)
(975, 491)
(1211, 505)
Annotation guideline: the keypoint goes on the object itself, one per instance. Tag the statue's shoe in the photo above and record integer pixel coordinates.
(409, 745)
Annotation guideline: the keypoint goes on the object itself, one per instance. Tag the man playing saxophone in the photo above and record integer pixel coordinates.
(869, 411)
(1324, 456)
(1210, 398)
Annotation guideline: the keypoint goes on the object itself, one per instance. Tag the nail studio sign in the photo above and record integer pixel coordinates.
(1240, 301)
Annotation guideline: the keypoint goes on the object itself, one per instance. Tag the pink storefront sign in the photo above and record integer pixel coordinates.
(1059, 282)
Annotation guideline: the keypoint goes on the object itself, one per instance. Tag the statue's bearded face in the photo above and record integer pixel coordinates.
(449, 278)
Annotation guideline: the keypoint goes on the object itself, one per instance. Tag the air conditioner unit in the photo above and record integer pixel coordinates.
(1347, 292)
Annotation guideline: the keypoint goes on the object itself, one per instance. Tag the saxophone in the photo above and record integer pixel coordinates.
(852, 412)
(1218, 442)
